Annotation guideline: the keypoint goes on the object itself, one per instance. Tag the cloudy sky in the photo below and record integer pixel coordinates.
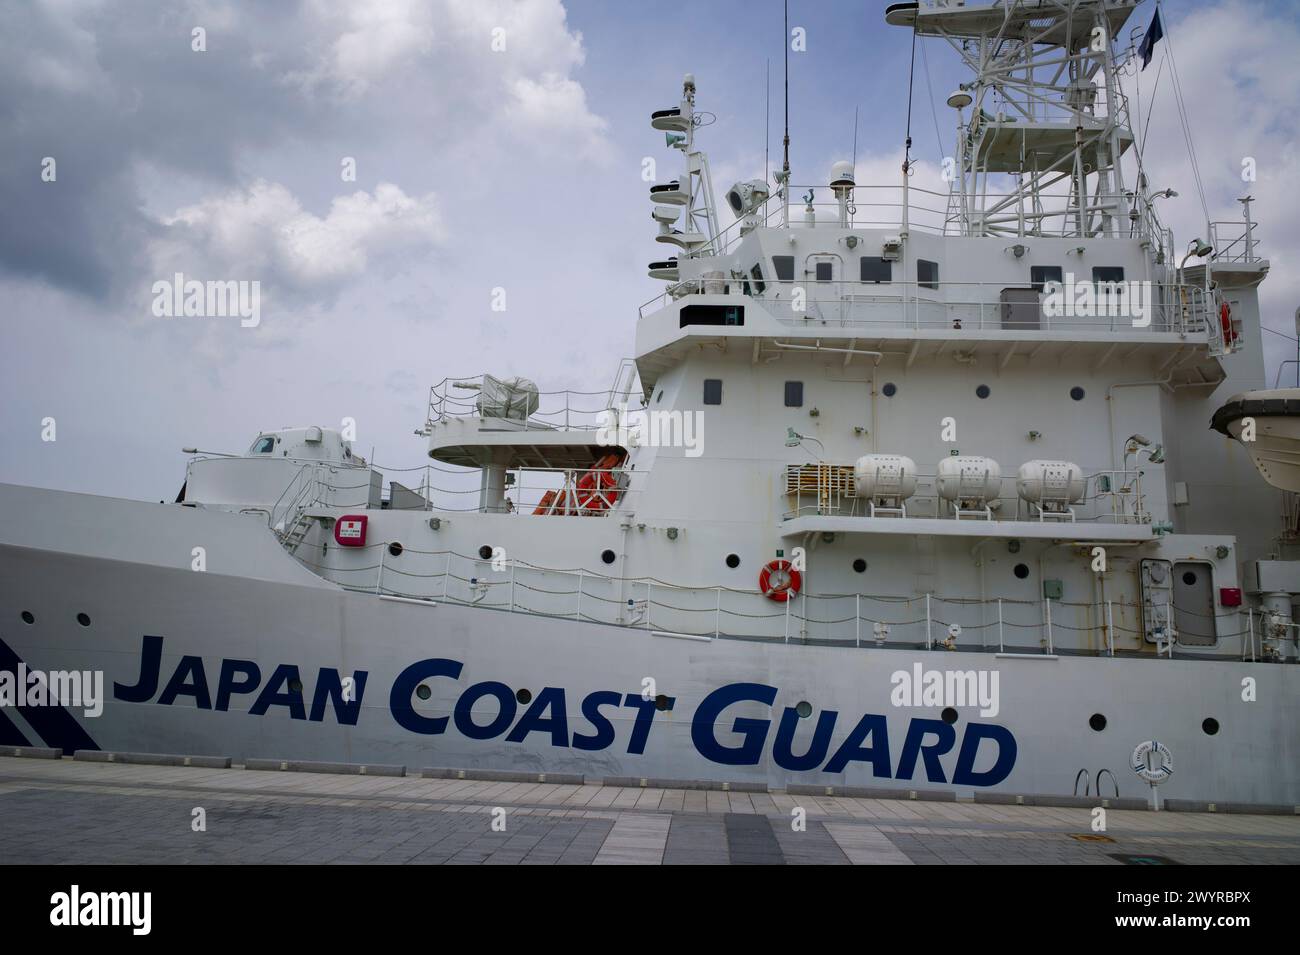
(475, 168)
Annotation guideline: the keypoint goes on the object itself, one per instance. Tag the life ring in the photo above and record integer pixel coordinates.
(779, 580)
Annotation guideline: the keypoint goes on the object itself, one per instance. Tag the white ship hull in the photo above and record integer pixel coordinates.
(57, 560)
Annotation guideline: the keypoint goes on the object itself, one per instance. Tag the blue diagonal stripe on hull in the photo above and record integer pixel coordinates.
(55, 725)
(11, 735)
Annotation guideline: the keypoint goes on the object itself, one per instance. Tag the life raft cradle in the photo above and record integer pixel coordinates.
(596, 491)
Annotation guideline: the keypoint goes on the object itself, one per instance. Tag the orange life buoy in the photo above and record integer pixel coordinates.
(779, 580)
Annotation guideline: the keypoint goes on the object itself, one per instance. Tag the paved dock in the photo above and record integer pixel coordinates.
(66, 811)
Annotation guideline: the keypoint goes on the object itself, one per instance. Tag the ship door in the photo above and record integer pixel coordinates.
(1193, 586)
(1157, 599)
(823, 277)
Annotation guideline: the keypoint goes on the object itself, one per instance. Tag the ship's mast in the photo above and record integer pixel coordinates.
(1046, 111)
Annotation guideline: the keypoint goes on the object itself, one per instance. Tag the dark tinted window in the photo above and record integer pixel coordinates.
(823, 271)
(713, 391)
(876, 269)
(711, 315)
(927, 273)
(1040, 275)
(1108, 273)
(757, 273)
(784, 265)
(794, 394)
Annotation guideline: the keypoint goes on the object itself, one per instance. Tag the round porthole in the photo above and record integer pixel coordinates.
(523, 696)
(982, 391)
(27, 617)
(423, 691)
(733, 561)
(661, 702)
(83, 619)
(485, 552)
(804, 709)
(1021, 571)
(859, 566)
(889, 390)
(949, 715)
(395, 549)
(295, 686)
(1097, 722)
(1189, 578)
(1077, 393)
(1210, 726)
(607, 556)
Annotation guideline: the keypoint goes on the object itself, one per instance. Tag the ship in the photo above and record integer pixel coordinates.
(903, 490)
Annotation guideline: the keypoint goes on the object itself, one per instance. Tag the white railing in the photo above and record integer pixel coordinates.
(1110, 497)
(454, 398)
(717, 612)
(1177, 309)
(1234, 241)
(1003, 214)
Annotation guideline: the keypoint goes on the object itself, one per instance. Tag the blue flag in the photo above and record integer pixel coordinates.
(1155, 33)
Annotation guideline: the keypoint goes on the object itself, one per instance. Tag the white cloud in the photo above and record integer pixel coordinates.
(264, 232)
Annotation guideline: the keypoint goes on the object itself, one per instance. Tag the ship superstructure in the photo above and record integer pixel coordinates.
(866, 427)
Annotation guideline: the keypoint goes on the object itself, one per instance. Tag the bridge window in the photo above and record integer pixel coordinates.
(784, 265)
(757, 274)
(713, 391)
(263, 445)
(1040, 275)
(794, 394)
(1107, 273)
(927, 274)
(711, 315)
(876, 269)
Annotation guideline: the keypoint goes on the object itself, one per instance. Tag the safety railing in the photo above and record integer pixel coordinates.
(923, 621)
(584, 492)
(461, 397)
(1002, 214)
(822, 489)
(1234, 241)
(1120, 308)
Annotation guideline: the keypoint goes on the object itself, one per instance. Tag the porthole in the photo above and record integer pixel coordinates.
(27, 617)
(1189, 578)
(733, 561)
(608, 556)
(982, 391)
(661, 702)
(423, 691)
(859, 566)
(949, 715)
(1210, 726)
(889, 390)
(485, 552)
(395, 549)
(523, 696)
(1097, 722)
(1021, 571)
(295, 687)
(804, 709)
(83, 619)
(1077, 393)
